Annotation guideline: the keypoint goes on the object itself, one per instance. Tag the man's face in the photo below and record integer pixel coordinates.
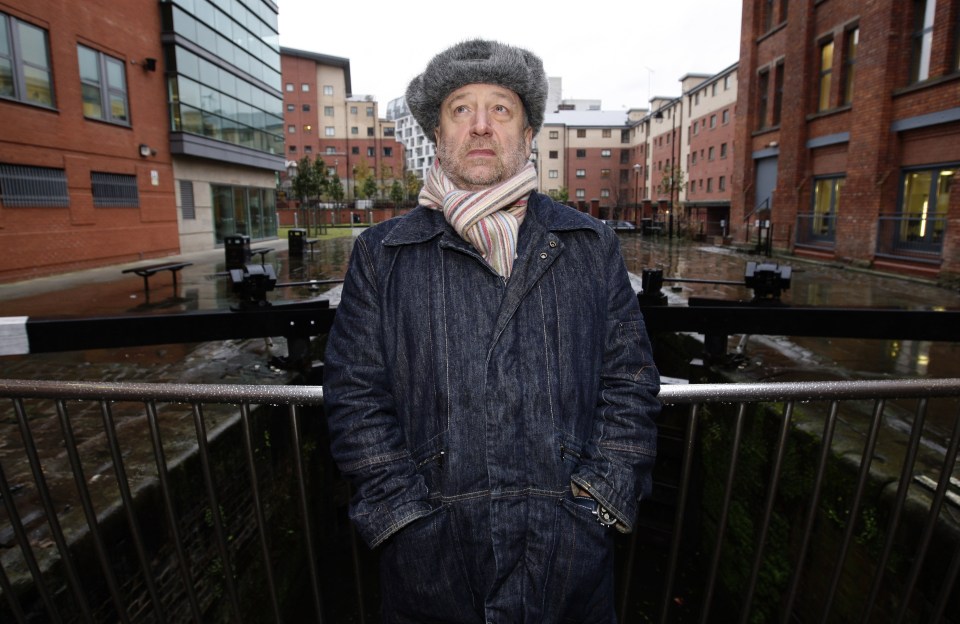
(483, 137)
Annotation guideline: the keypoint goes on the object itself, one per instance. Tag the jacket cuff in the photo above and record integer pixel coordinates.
(376, 530)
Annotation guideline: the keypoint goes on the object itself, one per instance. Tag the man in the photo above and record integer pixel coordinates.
(488, 379)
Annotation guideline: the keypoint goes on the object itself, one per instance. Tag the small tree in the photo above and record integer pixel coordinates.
(563, 195)
(369, 187)
(673, 180)
(412, 185)
(396, 192)
(335, 189)
(362, 173)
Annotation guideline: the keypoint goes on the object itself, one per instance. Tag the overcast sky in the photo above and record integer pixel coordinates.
(621, 52)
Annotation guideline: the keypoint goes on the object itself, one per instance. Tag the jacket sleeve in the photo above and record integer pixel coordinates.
(617, 461)
(366, 439)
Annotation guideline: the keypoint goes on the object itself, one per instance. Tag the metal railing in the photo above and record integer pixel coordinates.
(705, 483)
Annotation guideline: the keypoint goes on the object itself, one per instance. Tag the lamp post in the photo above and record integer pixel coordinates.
(636, 204)
(292, 171)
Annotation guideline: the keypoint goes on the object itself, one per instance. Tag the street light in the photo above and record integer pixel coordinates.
(636, 204)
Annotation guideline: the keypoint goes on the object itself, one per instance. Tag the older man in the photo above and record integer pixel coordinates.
(488, 380)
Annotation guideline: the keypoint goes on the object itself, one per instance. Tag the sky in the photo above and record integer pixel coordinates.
(621, 52)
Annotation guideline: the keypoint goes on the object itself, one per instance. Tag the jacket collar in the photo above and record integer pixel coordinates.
(423, 224)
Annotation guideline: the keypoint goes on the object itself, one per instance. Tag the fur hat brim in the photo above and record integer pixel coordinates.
(473, 62)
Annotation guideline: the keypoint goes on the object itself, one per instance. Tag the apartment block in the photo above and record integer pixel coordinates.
(849, 118)
(419, 150)
(323, 118)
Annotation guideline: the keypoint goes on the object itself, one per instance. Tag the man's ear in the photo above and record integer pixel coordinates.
(528, 139)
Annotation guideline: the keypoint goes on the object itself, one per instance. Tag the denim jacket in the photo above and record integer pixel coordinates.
(448, 387)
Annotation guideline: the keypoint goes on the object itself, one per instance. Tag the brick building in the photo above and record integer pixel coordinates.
(849, 122)
(323, 118)
(86, 174)
(120, 144)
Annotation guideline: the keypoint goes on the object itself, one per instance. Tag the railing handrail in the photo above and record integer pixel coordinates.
(671, 394)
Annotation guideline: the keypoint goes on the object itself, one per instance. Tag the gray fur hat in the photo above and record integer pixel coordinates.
(478, 61)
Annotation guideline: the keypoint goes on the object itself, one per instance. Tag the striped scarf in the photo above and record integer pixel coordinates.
(489, 219)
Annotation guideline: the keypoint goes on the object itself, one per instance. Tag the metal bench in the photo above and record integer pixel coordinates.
(262, 252)
(311, 242)
(146, 271)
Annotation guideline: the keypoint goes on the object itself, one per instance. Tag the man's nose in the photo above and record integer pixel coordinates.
(481, 123)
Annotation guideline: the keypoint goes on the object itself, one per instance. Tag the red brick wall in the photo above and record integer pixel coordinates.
(42, 240)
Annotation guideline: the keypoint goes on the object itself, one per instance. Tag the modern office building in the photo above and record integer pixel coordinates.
(418, 149)
(324, 118)
(849, 122)
(121, 144)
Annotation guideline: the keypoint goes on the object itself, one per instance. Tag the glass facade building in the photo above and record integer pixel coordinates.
(225, 101)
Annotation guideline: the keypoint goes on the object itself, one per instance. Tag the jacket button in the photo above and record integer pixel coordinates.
(553, 243)
(543, 255)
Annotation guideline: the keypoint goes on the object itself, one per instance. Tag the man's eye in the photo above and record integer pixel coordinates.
(460, 109)
(500, 108)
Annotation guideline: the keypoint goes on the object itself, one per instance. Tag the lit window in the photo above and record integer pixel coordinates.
(851, 43)
(103, 85)
(826, 74)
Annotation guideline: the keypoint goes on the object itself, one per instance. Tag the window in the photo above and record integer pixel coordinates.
(305, 87)
(103, 86)
(723, 150)
(289, 86)
(695, 128)
(709, 185)
(821, 222)
(554, 134)
(355, 150)
(292, 149)
(777, 93)
(725, 116)
(369, 111)
(767, 15)
(388, 152)
(693, 157)
(329, 131)
(581, 193)
(328, 89)
(308, 149)
(114, 190)
(22, 185)
(307, 129)
(826, 74)
(328, 111)
(581, 153)
(923, 209)
(330, 149)
(763, 85)
(306, 108)
(25, 72)
(851, 43)
(553, 174)
(291, 129)
(354, 110)
(710, 153)
(606, 133)
(922, 39)
(291, 108)
(604, 192)
(371, 151)
(370, 131)
(581, 173)
(726, 83)
(188, 208)
(354, 130)
(713, 121)
(722, 183)
(553, 154)
(604, 153)
(604, 173)
(332, 172)
(581, 133)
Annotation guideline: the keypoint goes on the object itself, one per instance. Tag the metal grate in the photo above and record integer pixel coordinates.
(111, 190)
(23, 185)
(187, 206)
